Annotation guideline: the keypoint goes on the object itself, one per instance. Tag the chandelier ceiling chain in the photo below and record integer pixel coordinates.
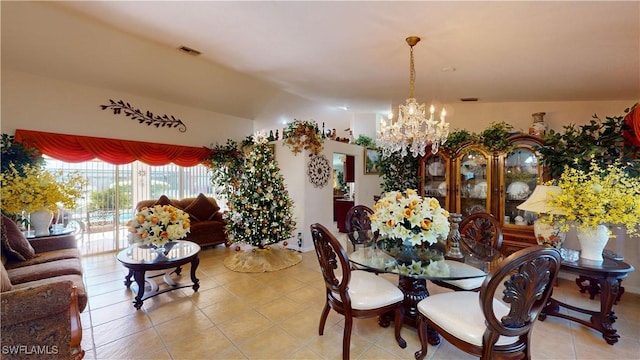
(412, 129)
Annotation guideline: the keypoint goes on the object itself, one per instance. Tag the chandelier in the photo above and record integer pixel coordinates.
(413, 130)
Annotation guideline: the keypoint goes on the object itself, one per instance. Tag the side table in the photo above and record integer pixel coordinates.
(608, 275)
(591, 285)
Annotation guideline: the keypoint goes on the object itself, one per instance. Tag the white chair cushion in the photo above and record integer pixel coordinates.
(467, 284)
(368, 291)
(459, 314)
(462, 269)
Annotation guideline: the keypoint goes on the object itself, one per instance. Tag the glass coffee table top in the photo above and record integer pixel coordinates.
(144, 254)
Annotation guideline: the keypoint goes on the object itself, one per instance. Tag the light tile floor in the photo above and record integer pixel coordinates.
(275, 316)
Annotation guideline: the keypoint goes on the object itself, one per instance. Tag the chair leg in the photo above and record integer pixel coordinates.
(398, 326)
(489, 340)
(346, 337)
(422, 335)
(323, 318)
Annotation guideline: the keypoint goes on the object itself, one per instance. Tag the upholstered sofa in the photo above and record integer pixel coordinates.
(207, 224)
(42, 296)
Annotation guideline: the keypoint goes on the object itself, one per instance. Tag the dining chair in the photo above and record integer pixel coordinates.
(358, 225)
(481, 324)
(353, 293)
(483, 228)
(480, 227)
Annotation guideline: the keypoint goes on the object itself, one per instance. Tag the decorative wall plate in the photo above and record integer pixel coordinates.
(319, 170)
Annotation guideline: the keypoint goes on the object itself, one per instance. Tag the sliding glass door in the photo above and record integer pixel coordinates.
(112, 193)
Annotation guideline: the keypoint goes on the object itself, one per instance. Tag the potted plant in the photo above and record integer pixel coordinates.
(593, 199)
(601, 141)
(34, 190)
(18, 154)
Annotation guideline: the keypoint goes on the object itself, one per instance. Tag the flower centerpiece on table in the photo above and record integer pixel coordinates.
(32, 188)
(159, 224)
(407, 216)
(599, 196)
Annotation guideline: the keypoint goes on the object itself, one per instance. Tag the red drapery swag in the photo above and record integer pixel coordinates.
(73, 148)
(633, 121)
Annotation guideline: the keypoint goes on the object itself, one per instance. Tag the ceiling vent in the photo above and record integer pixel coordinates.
(190, 51)
(468, 99)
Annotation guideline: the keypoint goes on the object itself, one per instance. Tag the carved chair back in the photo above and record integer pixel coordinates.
(483, 228)
(358, 225)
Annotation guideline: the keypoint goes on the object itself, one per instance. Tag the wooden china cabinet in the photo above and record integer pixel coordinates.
(473, 179)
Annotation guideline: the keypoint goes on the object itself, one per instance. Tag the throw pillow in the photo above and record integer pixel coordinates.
(5, 282)
(164, 200)
(14, 242)
(201, 208)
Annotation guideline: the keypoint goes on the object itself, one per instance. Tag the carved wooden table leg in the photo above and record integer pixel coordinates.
(194, 265)
(127, 279)
(605, 319)
(139, 277)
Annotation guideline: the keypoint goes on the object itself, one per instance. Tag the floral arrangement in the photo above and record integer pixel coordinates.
(32, 188)
(596, 197)
(407, 216)
(303, 135)
(158, 225)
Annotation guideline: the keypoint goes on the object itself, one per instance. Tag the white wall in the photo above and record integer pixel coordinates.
(284, 108)
(36, 103)
(314, 204)
(476, 117)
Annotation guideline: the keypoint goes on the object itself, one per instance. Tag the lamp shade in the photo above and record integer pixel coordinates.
(538, 201)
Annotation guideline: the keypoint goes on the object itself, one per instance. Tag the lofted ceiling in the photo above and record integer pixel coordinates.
(342, 54)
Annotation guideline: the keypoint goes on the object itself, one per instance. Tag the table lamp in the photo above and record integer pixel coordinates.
(546, 234)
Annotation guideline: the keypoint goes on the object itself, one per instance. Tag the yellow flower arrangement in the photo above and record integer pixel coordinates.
(599, 196)
(408, 216)
(158, 225)
(38, 189)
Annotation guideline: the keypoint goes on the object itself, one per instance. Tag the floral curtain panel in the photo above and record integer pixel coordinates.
(74, 148)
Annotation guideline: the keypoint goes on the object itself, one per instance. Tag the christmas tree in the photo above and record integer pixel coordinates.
(260, 209)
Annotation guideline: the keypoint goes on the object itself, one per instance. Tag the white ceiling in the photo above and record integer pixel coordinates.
(350, 54)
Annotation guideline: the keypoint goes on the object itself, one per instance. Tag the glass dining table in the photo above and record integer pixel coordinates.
(415, 265)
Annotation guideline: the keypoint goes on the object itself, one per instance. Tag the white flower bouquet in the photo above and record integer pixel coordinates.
(158, 225)
(407, 216)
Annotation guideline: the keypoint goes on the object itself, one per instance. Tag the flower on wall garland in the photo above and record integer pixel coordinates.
(147, 117)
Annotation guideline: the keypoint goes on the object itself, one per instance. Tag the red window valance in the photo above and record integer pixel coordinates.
(74, 148)
(633, 121)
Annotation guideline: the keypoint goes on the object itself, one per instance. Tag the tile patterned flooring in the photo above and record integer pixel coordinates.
(275, 316)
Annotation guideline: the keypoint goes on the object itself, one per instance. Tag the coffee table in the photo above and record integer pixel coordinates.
(140, 258)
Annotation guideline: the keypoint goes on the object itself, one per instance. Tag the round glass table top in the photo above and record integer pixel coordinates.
(425, 262)
(139, 253)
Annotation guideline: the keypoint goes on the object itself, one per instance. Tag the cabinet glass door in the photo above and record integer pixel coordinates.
(520, 176)
(474, 182)
(435, 178)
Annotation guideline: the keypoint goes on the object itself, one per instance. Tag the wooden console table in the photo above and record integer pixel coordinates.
(608, 274)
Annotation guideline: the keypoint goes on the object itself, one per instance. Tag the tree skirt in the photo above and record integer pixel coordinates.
(262, 260)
